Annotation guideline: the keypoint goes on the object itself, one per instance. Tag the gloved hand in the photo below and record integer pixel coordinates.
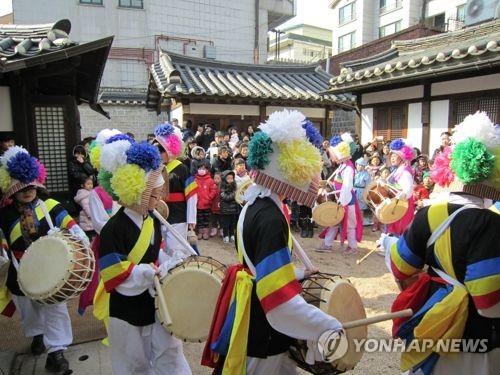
(168, 265)
(401, 196)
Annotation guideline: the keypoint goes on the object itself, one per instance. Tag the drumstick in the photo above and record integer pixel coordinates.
(301, 254)
(366, 255)
(377, 319)
(162, 305)
(174, 232)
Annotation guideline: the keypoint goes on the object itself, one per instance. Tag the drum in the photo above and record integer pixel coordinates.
(191, 290)
(383, 202)
(327, 212)
(55, 268)
(338, 298)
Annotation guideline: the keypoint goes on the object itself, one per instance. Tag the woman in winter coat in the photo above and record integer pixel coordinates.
(79, 168)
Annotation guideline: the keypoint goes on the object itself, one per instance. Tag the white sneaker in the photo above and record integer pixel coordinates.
(232, 238)
(226, 239)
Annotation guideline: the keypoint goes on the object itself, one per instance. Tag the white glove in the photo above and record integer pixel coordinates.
(76, 231)
(401, 196)
(168, 265)
(313, 354)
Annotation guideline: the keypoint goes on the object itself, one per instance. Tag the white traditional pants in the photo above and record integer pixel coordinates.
(148, 350)
(280, 364)
(51, 321)
(468, 363)
(171, 244)
(351, 230)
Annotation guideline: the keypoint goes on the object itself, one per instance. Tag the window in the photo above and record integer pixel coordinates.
(347, 41)
(390, 122)
(388, 5)
(137, 4)
(461, 13)
(464, 106)
(347, 13)
(389, 29)
(93, 2)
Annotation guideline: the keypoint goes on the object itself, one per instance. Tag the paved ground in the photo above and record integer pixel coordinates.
(88, 356)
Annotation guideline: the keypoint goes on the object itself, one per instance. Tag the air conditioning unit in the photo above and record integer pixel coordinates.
(477, 11)
(209, 52)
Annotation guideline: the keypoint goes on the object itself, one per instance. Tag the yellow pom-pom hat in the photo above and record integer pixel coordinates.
(129, 171)
(283, 158)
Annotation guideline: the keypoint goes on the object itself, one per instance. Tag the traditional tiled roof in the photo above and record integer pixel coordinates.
(181, 76)
(448, 53)
(23, 41)
(122, 96)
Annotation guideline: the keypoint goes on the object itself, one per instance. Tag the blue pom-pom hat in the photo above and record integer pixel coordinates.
(22, 169)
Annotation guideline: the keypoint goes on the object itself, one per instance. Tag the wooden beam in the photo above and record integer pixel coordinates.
(426, 118)
(262, 112)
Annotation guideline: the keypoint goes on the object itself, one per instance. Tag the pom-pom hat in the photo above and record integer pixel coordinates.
(129, 171)
(472, 163)
(170, 138)
(18, 170)
(283, 159)
(342, 146)
(403, 149)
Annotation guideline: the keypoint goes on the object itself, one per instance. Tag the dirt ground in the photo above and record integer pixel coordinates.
(371, 279)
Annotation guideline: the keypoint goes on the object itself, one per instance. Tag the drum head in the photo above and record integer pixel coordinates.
(191, 291)
(391, 211)
(342, 301)
(328, 214)
(44, 267)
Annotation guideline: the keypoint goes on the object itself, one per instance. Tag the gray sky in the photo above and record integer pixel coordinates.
(5, 7)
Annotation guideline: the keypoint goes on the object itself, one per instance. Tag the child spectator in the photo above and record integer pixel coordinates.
(421, 166)
(198, 154)
(423, 190)
(240, 171)
(361, 180)
(375, 163)
(215, 208)
(223, 162)
(386, 150)
(207, 190)
(228, 206)
(233, 140)
(82, 198)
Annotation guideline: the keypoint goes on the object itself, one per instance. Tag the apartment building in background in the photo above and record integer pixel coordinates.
(357, 22)
(300, 43)
(234, 31)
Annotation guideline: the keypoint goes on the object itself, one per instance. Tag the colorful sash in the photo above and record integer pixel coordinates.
(445, 313)
(114, 272)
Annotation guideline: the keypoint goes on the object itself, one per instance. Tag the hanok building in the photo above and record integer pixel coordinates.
(420, 88)
(233, 94)
(44, 76)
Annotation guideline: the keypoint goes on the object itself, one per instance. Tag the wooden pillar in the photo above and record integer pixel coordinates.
(357, 119)
(325, 124)
(262, 112)
(426, 118)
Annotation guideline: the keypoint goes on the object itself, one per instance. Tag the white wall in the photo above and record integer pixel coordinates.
(415, 124)
(308, 112)
(222, 109)
(6, 124)
(393, 95)
(178, 113)
(489, 82)
(439, 122)
(449, 7)
(366, 125)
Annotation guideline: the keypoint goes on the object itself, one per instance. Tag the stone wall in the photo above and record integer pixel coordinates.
(135, 119)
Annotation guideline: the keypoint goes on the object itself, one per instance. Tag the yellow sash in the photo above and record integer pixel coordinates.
(101, 297)
(235, 363)
(172, 165)
(447, 318)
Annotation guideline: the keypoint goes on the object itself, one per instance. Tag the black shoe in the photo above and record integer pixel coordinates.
(57, 363)
(310, 230)
(37, 346)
